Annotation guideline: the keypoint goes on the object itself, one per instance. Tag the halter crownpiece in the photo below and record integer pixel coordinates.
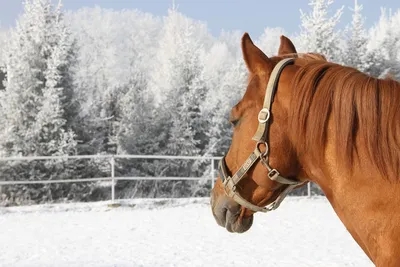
(261, 136)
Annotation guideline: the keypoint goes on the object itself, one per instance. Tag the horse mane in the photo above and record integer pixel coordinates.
(366, 113)
(303, 58)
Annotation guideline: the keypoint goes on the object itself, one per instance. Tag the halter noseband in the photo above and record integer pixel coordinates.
(261, 137)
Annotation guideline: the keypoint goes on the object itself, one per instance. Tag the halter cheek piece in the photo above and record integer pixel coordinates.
(261, 137)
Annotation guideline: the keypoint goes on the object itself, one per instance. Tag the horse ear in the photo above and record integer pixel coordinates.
(286, 47)
(256, 60)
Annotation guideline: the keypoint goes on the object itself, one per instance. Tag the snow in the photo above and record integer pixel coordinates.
(302, 232)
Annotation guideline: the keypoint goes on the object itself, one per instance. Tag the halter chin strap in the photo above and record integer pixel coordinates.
(261, 136)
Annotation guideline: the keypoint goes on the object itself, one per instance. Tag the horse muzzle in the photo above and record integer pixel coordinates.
(228, 213)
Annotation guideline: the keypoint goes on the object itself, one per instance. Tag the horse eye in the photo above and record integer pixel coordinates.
(234, 122)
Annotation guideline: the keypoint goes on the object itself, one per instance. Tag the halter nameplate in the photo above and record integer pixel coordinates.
(261, 136)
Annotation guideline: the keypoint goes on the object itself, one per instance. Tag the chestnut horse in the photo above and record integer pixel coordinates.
(327, 124)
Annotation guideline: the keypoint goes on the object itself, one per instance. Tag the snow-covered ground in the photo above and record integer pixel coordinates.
(302, 232)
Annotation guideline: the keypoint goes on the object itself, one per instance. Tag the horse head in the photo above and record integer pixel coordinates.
(261, 166)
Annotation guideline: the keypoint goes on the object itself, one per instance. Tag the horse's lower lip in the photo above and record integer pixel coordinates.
(240, 225)
(232, 221)
(228, 214)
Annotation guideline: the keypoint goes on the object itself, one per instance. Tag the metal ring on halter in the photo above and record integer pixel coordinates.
(261, 113)
(265, 153)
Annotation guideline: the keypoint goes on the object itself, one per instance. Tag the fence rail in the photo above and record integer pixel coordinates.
(110, 157)
(112, 178)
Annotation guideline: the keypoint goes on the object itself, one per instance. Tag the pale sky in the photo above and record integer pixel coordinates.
(243, 15)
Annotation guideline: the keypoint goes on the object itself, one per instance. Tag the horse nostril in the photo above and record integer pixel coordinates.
(220, 215)
(219, 208)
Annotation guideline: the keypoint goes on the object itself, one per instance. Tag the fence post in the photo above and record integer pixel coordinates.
(212, 173)
(309, 189)
(112, 163)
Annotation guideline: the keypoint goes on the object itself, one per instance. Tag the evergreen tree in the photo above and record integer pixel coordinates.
(115, 48)
(179, 87)
(179, 84)
(139, 132)
(385, 44)
(226, 76)
(234, 86)
(36, 104)
(357, 55)
(318, 33)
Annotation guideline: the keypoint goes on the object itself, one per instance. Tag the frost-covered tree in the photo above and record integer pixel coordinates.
(318, 30)
(232, 41)
(356, 53)
(178, 82)
(179, 88)
(37, 106)
(115, 48)
(181, 45)
(137, 127)
(385, 42)
(34, 105)
(225, 75)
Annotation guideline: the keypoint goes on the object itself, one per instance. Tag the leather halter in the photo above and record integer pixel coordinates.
(261, 137)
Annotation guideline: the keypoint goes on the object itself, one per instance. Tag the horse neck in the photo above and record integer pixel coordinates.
(360, 194)
(366, 203)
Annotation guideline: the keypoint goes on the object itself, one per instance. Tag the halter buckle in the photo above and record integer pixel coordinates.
(273, 174)
(263, 115)
(272, 206)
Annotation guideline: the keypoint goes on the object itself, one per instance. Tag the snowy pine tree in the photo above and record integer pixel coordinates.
(225, 75)
(178, 83)
(385, 42)
(115, 49)
(140, 126)
(36, 103)
(179, 88)
(33, 103)
(318, 33)
(357, 54)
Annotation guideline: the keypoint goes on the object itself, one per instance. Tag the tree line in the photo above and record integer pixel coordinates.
(98, 81)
